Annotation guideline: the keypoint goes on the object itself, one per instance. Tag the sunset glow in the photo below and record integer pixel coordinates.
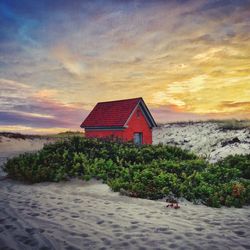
(189, 60)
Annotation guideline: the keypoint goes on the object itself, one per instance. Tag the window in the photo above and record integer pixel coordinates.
(138, 138)
(138, 113)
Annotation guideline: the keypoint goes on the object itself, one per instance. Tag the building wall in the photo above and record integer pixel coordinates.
(103, 133)
(136, 124)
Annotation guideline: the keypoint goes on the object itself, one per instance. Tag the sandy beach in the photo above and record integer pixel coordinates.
(88, 215)
(78, 215)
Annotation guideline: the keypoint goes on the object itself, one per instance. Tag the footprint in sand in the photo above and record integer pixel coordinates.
(209, 236)
(53, 209)
(115, 226)
(84, 235)
(71, 248)
(77, 200)
(239, 233)
(100, 222)
(142, 248)
(188, 234)
(106, 241)
(215, 223)
(178, 237)
(172, 246)
(124, 244)
(30, 230)
(127, 236)
(206, 221)
(34, 214)
(118, 234)
(10, 227)
(75, 216)
(26, 240)
(44, 248)
(161, 230)
(245, 246)
(134, 222)
(134, 227)
(133, 242)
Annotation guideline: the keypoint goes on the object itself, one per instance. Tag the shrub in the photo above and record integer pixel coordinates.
(240, 162)
(147, 171)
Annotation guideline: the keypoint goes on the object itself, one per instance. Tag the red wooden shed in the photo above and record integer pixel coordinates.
(129, 120)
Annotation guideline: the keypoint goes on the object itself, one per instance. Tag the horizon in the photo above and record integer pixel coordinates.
(189, 60)
(229, 122)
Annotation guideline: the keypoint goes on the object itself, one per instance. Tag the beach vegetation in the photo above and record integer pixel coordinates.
(148, 171)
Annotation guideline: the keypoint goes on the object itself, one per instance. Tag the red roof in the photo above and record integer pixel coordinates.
(111, 114)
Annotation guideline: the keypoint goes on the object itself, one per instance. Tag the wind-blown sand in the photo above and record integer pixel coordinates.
(88, 215)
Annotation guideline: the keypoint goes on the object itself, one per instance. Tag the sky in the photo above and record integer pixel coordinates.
(189, 60)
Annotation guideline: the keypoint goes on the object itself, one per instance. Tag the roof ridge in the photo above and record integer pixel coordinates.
(122, 100)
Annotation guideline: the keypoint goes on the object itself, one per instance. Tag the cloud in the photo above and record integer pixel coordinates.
(27, 119)
(69, 61)
(235, 106)
(23, 106)
(192, 56)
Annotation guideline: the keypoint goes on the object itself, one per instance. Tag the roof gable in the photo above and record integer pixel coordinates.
(114, 114)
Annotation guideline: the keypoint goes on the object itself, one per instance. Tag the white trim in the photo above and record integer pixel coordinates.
(131, 114)
(150, 117)
(143, 112)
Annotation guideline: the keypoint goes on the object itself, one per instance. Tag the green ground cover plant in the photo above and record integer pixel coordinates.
(151, 172)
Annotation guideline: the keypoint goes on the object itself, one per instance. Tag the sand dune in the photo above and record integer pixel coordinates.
(88, 215)
(206, 139)
(10, 147)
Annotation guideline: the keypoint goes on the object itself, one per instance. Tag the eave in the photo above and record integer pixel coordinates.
(104, 128)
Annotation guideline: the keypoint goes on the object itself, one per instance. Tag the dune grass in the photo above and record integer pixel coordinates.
(234, 124)
(226, 124)
(63, 135)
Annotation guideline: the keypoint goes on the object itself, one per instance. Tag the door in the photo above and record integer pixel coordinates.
(138, 138)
